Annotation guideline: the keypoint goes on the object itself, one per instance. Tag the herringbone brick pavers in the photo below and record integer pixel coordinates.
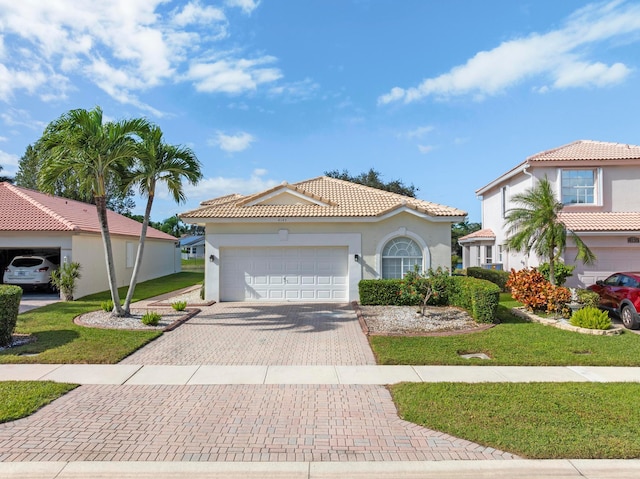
(228, 423)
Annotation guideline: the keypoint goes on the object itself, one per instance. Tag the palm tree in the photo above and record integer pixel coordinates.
(96, 153)
(535, 226)
(156, 162)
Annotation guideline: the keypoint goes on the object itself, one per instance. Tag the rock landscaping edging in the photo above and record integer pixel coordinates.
(401, 321)
(561, 324)
(105, 320)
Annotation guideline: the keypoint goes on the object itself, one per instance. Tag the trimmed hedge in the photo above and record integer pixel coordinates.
(479, 297)
(496, 276)
(9, 308)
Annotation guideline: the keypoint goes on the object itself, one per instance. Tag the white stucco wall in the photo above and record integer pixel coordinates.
(160, 259)
(363, 238)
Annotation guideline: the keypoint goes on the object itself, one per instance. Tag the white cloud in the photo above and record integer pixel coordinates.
(209, 188)
(418, 132)
(424, 149)
(125, 47)
(296, 91)
(9, 163)
(558, 56)
(247, 6)
(232, 75)
(17, 117)
(233, 143)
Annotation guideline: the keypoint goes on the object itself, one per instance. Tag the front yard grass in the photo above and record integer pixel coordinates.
(22, 398)
(514, 342)
(534, 420)
(60, 340)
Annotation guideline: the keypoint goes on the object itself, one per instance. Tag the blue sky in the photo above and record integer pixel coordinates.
(444, 95)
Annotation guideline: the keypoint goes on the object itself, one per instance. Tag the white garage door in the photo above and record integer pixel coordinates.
(283, 274)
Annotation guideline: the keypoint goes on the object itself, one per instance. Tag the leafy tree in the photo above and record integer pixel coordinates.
(458, 230)
(173, 226)
(373, 178)
(5, 178)
(94, 153)
(158, 162)
(535, 226)
(66, 185)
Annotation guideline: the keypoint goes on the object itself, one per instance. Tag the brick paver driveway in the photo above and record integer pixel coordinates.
(238, 422)
(263, 334)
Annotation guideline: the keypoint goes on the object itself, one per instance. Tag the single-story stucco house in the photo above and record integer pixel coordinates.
(36, 223)
(192, 246)
(316, 239)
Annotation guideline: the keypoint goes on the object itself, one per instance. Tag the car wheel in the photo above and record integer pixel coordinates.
(628, 317)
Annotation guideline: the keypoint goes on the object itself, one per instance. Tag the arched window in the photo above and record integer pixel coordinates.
(399, 256)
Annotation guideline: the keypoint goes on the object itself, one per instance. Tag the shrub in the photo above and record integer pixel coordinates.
(151, 318)
(179, 305)
(9, 308)
(107, 305)
(64, 279)
(591, 318)
(561, 271)
(379, 291)
(495, 276)
(529, 287)
(588, 298)
(477, 296)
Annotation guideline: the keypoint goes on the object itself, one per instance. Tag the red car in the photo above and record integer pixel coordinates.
(620, 293)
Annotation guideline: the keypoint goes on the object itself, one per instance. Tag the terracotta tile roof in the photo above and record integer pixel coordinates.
(28, 210)
(486, 233)
(617, 221)
(588, 150)
(332, 198)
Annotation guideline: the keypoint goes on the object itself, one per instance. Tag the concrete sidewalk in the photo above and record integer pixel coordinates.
(136, 374)
(516, 469)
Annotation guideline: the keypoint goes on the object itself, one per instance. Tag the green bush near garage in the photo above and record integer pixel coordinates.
(9, 308)
(478, 297)
(496, 276)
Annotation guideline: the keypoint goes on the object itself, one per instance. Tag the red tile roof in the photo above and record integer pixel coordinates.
(486, 233)
(620, 221)
(328, 197)
(28, 210)
(588, 150)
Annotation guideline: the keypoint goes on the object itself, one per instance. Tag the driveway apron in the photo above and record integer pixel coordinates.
(231, 422)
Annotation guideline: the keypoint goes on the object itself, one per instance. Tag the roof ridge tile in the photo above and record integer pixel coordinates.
(18, 191)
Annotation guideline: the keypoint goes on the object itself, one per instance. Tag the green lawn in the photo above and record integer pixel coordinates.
(536, 420)
(22, 398)
(514, 342)
(59, 340)
(194, 264)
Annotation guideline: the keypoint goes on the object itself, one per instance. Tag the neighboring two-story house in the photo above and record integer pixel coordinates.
(599, 185)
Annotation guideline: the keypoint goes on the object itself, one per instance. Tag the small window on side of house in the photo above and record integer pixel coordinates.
(503, 201)
(578, 187)
(131, 254)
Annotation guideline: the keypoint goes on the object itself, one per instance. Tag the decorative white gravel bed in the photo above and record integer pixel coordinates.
(404, 319)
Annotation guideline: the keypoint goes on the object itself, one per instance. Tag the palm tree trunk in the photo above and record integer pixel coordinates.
(101, 206)
(552, 266)
(138, 263)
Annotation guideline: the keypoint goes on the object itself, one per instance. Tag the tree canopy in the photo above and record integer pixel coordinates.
(5, 178)
(373, 179)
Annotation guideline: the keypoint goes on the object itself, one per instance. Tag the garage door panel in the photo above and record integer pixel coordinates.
(288, 273)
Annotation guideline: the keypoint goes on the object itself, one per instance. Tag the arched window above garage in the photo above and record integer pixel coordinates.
(399, 256)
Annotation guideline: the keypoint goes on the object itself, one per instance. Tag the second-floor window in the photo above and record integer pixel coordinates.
(578, 187)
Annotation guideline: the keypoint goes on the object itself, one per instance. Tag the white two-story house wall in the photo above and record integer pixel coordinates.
(599, 185)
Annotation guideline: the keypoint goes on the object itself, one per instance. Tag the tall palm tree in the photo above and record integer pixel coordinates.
(535, 226)
(157, 162)
(96, 153)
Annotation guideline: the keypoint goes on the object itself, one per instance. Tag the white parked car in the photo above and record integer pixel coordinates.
(31, 270)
